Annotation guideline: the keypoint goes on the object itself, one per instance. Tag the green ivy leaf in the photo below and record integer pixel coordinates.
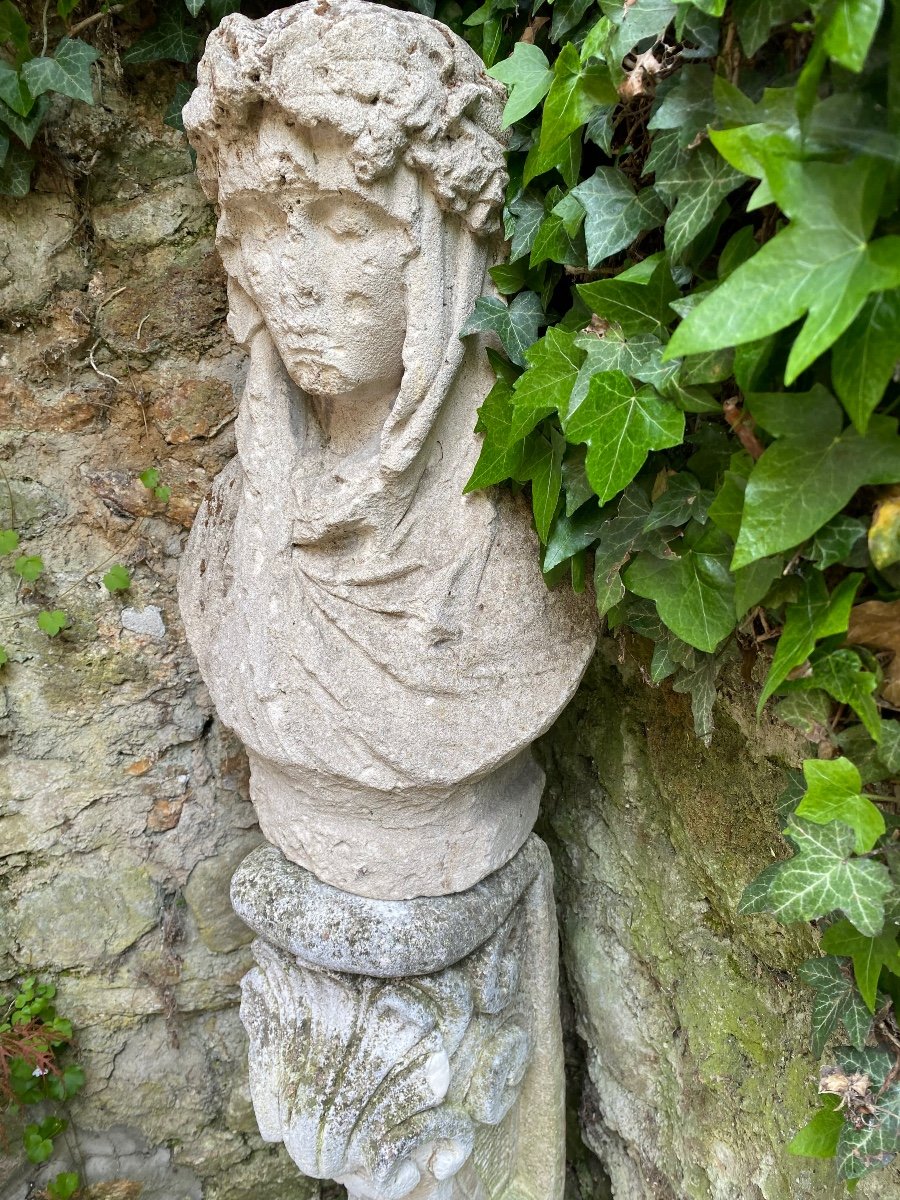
(194, 7)
(636, 305)
(617, 539)
(699, 682)
(515, 324)
(813, 616)
(575, 91)
(836, 1000)
(757, 18)
(821, 265)
(621, 425)
(4, 656)
(849, 30)
(614, 213)
(819, 1137)
(528, 76)
(117, 579)
(9, 541)
(835, 541)
(570, 535)
(554, 363)
(807, 476)
(25, 128)
(67, 72)
(219, 9)
(693, 592)
(639, 356)
(685, 103)
(14, 91)
(554, 243)
(727, 508)
(501, 455)
(864, 357)
(183, 93)
(822, 876)
(523, 219)
(810, 712)
(172, 37)
(872, 1143)
(753, 582)
(567, 15)
(15, 174)
(544, 470)
(684, 499)
(869, 955)
(52, 623)
(697, 185)
(635, 22)
(842, 675)
(29, 566)
(833, 793)
(14, 28)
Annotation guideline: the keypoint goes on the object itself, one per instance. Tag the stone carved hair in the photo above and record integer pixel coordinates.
(418, 95)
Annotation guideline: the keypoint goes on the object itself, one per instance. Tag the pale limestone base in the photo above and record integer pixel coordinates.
(424, 842)
(440, 1079)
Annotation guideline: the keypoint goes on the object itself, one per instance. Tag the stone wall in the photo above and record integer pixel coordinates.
(124, 802)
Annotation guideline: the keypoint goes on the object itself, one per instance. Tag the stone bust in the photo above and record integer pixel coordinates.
(384, 646)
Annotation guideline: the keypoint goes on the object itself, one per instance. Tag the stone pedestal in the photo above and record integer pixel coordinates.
(408, 1048)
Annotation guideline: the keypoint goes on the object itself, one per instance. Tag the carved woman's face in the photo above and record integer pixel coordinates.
(326, 271)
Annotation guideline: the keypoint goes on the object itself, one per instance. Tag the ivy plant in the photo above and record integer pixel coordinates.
(695, 335)
(29, 75)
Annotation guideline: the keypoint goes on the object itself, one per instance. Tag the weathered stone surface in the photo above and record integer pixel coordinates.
(694, 1026)
(207, 896)
(446, 1085)
(73, 919)
(339, 931)
(355, 156)
(116, 780)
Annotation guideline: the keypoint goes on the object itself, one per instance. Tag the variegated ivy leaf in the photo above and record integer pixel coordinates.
(823, 876)
(869, 955)
(67, 72)
(873, 1141)
(834, 793)
(614, 213)
(516, 324)
(836, 1000)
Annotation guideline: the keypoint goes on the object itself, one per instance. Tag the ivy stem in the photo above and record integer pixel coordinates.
(113, 11)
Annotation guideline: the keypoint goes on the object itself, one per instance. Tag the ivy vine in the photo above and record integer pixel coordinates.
(699, 320)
